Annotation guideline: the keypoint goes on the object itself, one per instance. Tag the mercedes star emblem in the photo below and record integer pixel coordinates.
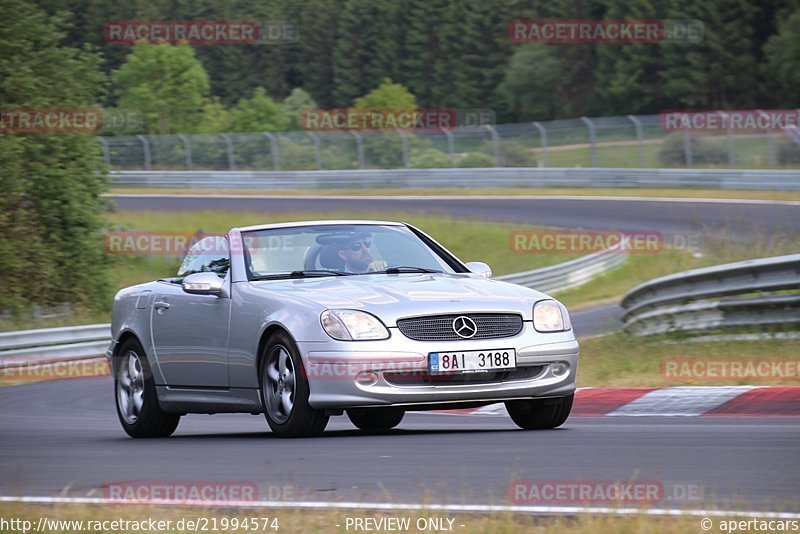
(464, 326)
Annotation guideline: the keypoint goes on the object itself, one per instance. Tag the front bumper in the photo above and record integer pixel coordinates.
(399, 368)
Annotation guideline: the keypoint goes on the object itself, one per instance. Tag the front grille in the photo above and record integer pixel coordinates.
(424, 378)
(440, 327)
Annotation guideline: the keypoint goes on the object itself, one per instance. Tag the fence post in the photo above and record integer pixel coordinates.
(317, 153)
(229, 142)
(359, 148)
(276, 155)
(187, 150)
(148, 163)
(496, 144)
(729, 136)
(404, 141)
(687, 146)
(451, 146)
(770, 142)
(106, 151)
(542, 141)
(592, 139)
(639, 138)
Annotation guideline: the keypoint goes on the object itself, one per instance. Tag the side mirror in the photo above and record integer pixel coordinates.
(480, 268)
(203, 284)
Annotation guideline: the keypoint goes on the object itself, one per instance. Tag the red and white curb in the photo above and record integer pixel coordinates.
(675, 401)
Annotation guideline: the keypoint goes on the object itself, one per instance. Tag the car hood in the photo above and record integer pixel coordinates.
(394, 296)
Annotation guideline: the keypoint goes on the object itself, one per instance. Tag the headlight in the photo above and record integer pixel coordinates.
(352, 325)
(550, 316)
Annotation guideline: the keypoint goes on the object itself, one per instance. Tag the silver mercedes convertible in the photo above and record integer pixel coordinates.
(306, 320)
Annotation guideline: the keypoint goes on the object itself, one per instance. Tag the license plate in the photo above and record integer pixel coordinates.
(471, 361)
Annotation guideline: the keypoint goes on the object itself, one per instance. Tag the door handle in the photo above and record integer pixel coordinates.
(161, 305)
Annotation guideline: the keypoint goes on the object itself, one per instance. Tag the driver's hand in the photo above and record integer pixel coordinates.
(378, 265)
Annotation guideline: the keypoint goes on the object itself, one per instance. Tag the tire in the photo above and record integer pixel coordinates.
(376, 418)
(284, 391)
(540, 414)
(135, 395)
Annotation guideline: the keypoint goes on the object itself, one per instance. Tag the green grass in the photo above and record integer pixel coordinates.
(620, 360)
(640, 268)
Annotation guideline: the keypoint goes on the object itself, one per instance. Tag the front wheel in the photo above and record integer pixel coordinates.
(376, 418)
(540, 414)
(137, 404)
(284, 391)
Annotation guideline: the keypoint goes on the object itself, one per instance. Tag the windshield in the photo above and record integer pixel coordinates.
(341, 249)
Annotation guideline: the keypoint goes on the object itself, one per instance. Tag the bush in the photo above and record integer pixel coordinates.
(429, 158)
(787, 152)
(517, 155)
(704, 150)
(477, 159)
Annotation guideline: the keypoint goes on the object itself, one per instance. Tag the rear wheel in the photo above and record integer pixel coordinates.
(284, 391)
(376, 418)
(540, 414)
(137, 404)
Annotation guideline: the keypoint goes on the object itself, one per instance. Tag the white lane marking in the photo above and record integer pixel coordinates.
(456, 508)
(680, 401)
(461, 197)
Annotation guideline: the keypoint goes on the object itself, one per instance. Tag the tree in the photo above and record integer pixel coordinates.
(50, 209)
(258, 114)
(294, 105)
(531, 87)
(387, 95)
(167, 83)
(783, 59)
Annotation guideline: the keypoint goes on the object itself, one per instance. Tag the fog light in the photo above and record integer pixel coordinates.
(559, 368)
(366, 378)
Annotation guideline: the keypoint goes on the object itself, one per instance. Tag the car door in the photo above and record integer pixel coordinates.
(190, 332)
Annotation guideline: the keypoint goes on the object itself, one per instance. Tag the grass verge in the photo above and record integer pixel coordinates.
(479, 192)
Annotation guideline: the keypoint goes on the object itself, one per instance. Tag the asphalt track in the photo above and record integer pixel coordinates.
(64, 438)
(738, 220)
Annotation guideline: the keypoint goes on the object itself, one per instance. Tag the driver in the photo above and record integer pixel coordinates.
(356, 255)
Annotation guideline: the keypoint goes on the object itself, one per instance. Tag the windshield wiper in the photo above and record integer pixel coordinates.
(404, 269)
(312, 273)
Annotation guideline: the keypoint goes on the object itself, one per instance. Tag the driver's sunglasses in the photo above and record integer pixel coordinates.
(357, 246)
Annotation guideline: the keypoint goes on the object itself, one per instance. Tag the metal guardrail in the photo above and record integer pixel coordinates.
(78, 342)
(755, 294)
(569, 274)
(481, 177)
(46, 344)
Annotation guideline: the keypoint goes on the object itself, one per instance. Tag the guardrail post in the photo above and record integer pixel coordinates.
(687, 147)
(317, 152)
(592, 139)
(451, 146)
(229, 142)
(276, 155)
(359, 148)
(404, 141)
(187, 150)
(639, 138)
(496, 145)
(729, 138)
(542, 141)
(106, 151)
(148, 163)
